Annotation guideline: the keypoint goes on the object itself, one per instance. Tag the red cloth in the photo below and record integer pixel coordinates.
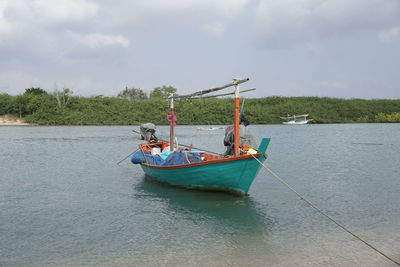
(171, 117)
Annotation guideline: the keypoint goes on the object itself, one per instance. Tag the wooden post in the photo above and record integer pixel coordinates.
(236, 119)
(236, 126)
(171, 117)
(171, 137)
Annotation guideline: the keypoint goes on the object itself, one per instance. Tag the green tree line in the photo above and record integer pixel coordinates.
(132, 106)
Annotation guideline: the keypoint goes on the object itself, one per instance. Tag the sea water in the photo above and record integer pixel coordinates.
(64, 201)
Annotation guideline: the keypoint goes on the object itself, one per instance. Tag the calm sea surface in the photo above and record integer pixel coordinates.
(65, 202)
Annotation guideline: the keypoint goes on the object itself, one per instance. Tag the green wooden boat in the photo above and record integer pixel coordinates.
(199, 169)
(231, 174)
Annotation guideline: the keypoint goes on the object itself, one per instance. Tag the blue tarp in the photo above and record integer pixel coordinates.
(142, 157)
(181, 157)
(173, 159)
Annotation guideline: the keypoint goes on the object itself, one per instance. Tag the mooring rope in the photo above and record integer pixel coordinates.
(323, 213)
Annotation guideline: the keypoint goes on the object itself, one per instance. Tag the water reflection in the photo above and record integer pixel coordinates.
(232, 218)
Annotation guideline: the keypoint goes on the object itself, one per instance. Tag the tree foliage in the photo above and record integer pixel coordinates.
(132, 94)
(63, 97)
(163, 91)
(35, 91)
(63, 108)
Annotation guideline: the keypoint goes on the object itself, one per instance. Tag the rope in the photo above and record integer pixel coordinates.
(186, 157)
(127, 156)
(323, 213)
(241, 109)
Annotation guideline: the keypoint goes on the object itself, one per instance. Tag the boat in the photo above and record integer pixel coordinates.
(296, 119)
(210, 128)
(180, 165)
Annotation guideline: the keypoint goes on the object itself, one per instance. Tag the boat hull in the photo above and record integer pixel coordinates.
(234, 174)
(231, 175)
(295, 122)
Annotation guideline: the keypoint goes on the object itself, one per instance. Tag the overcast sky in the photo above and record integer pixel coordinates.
(336, 48)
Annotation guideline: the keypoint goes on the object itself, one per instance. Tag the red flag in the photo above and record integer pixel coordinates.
(171, 117)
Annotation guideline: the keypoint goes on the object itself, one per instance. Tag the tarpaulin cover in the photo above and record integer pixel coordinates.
(173, 159)
(181, 157)
(142, 157)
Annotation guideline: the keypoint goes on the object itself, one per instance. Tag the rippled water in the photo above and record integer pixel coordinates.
(64, 200)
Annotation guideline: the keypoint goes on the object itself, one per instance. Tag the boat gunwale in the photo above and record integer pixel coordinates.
(204, 162)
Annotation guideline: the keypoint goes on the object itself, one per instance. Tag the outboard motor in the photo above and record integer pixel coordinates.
(147, 131)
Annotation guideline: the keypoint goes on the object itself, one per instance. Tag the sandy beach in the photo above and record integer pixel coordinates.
(8, 120)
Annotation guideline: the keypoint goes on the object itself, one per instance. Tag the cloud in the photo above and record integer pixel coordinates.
(155, 15)
(389, 35)
(223, 8)
(333, 85)
(290, 22)
(96, 40)
(48, 13)
(95, 44)
(216, 29)
(105, 23)
(14, 82)
(5, 26)
(56, 11)
(85, 85)
(22, 20)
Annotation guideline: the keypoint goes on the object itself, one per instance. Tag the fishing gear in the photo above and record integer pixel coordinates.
(188, 146)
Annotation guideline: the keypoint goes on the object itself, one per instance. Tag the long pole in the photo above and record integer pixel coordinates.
(127, 157)
(202, 92)
(171, 119)
(236, 119)
(171, 138)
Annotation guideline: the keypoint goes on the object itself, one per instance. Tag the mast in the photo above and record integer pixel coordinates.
(171, 117)
(236, 118)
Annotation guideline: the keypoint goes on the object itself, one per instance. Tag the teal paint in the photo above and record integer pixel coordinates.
(235, 175)
(263, 145)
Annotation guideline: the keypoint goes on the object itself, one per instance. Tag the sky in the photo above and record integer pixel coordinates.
(333, 48)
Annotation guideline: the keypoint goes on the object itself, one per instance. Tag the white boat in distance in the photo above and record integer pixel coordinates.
(210, 128)
(296, 119)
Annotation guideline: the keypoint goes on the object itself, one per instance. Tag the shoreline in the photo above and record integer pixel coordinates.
(19, 122)
(7, 120)
(10, 120)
